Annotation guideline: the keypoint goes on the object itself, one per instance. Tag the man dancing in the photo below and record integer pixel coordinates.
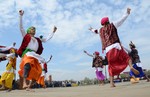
(118, 59)
(30, 51)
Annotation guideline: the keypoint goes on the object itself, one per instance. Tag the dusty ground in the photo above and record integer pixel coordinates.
(124, 89)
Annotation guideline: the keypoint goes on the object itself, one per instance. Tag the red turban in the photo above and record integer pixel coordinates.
(104, 20)
(96, 52)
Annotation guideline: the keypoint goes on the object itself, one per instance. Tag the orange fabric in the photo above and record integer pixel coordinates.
(41, 81)
(36, 69)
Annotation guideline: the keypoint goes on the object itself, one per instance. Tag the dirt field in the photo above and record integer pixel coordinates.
(125, 89)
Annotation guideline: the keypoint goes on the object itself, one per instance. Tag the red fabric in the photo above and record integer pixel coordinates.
(96, 52)
(45, 67)
(24, 44)
(2, 46)
(40, 49)
(117, 61)
(104, 20)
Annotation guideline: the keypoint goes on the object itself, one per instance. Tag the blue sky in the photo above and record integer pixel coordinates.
(73, 18)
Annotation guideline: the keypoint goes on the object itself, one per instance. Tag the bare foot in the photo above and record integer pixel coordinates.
(135, 82)
(112, 86)
(8, 90)
(2, 88)
(44, 86)
(25, 86)
(101, 84)
(30, 90)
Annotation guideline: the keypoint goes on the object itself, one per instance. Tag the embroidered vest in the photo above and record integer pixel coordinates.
(97, 62)
(108, 35)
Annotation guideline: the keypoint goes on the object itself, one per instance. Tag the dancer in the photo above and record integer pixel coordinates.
(8, 76)
(30, 51)
(97, 64)
(133, 53)
(41, 80)
(118, 59)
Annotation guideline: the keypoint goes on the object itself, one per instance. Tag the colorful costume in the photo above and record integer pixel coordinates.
(30, 51)
(41, 80)
(8, 76)
(29, 54)
(117, 57)
(99, 73)
(136, 63)
(97, 63)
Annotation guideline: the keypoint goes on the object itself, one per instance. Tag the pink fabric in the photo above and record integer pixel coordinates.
(99, 75)
(104, 20)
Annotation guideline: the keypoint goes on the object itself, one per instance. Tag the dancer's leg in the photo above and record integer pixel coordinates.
(27, 68)
(133, 69)
(112, 81)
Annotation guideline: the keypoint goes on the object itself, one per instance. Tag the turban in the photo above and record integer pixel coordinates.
(104, 20)
(96, 52)
(28, 30)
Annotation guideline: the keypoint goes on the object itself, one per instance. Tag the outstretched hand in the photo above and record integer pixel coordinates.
(21, 12)
(50, 57)
(128, 10)
(85, 51)
(14, 44)
(54, 29)
(90, 28)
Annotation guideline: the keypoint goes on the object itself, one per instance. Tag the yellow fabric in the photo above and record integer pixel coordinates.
(7, 77)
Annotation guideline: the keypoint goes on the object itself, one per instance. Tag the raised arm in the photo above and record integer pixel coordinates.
(7, 48)
(49, 59)
(88, 54)
(124, 17)
(49, 36)
(94, 30)
(21, 12)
